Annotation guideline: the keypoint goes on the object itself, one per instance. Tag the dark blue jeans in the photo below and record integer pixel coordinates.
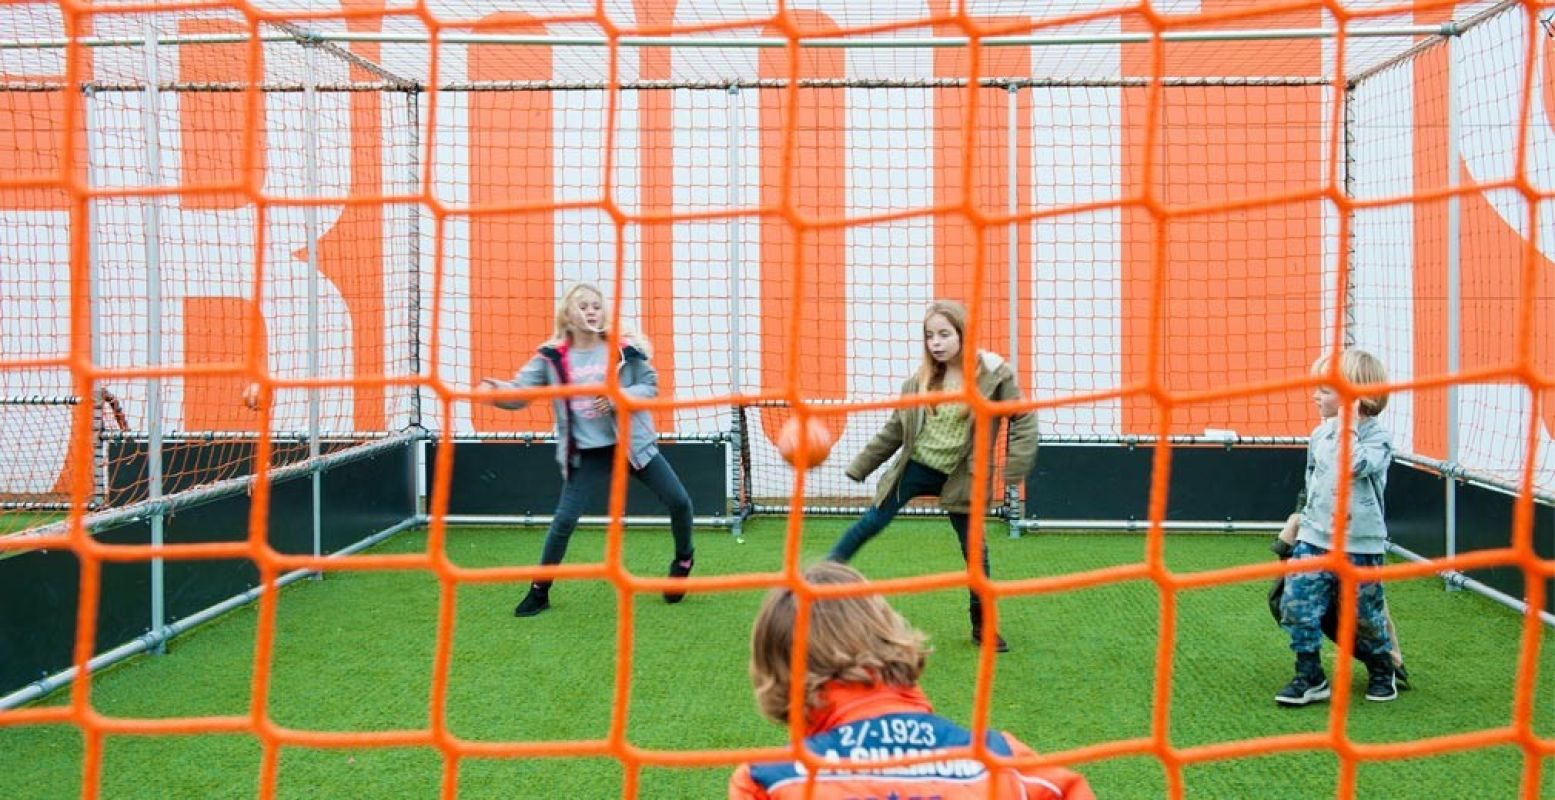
(917, 480)
(588, 486)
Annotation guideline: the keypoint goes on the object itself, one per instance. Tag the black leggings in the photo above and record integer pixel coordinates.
(589, 486)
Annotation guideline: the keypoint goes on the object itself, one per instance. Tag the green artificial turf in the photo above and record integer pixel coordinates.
(355, 652)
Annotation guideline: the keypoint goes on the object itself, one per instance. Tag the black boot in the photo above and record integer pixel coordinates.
(975, 609)
(1310, 684)
(679, 568)
(538, 599)
(1381, 680)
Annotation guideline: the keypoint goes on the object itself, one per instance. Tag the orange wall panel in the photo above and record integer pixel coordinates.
(1241, 289)
(512, 255)
(818, 188)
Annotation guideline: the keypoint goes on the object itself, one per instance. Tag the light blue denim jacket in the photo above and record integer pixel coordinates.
(1371, 452)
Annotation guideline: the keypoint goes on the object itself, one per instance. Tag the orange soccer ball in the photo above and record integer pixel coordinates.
(808, 443)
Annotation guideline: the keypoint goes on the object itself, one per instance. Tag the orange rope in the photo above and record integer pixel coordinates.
(786, 206)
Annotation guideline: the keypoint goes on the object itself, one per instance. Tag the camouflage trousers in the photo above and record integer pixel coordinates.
(1309, 594)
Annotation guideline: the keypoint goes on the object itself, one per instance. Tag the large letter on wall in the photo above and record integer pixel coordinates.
(351, 252)
(35, 287)
(817, 188)
(1430, 240)
(1241, 289)
(657, 155)
(211, 127)
(512, 256)
(955, 235)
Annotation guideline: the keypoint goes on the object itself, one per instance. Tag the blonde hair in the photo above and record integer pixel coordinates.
(1360, 368)
(563, 328)
(858, 639)
(931, 373)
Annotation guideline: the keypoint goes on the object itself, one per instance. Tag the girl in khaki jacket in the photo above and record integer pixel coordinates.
(935, 443)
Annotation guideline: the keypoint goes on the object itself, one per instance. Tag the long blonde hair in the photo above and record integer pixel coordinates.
(563, 327)
(858, 639)
(931, 373)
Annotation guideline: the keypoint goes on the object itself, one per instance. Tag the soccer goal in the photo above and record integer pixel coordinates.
(255, 260)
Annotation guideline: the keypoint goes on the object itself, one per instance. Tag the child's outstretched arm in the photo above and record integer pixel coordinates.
(533, 374)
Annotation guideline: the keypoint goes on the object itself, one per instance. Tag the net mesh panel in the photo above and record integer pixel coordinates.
(173, 292)
(1194, 283)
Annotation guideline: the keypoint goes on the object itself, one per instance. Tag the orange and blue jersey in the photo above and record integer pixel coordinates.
(888, 724)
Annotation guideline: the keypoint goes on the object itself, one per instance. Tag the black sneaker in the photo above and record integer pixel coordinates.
(1401, 677)
(534, 602)
(1381, 686)
(679, 568)
(1303, 689)
(999, 645)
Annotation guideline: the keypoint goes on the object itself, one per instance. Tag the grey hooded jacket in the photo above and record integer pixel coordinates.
(638, 378)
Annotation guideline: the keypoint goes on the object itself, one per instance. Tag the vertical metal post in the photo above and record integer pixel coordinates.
(413, 101)
(152, 219)
(1013, 181)
(419, 449)
(740, 432)
(310, 127)
(1011, 493)
(1347, 247)
(736, 302)
(94, 306)
(1454, 299)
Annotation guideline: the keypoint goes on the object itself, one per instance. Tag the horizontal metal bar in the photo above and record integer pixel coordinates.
(1003, 82)
(764, 42)
(1456, 578)
(1141, 525)
(325, 437)
(43, 687)
(994, 513)
(883, 42)
(40, 400)
(1470, 476)
(530, 520)
(532, 437)
(138, 41)
(1185, 439)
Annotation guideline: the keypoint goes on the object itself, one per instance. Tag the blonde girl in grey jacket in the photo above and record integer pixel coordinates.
(586, 433)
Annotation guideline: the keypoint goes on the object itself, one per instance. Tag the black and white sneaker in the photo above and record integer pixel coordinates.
(1381, 685)
(1303, 689)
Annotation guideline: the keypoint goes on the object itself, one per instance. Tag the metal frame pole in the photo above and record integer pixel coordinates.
(1454, 301)
(741, 439)
(310, 126)
(152, 218)
(1013, 508)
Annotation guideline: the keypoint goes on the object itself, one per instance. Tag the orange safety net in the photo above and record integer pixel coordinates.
(806, 232)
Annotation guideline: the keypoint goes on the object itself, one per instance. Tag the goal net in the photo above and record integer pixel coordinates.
(263, 235)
